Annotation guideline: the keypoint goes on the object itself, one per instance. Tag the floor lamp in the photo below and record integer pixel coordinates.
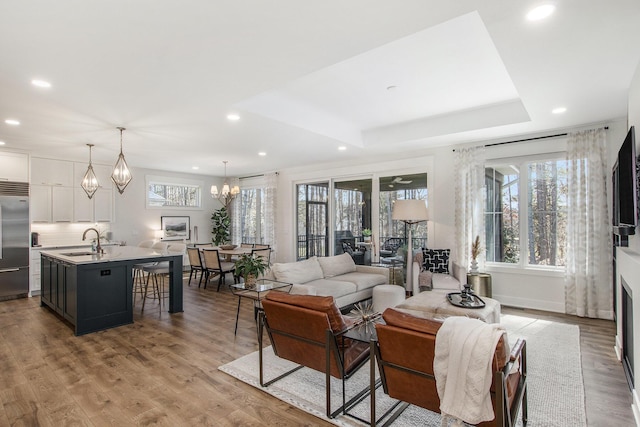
(410, 212)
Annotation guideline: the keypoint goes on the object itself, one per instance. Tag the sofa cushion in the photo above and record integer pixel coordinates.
(436, 260)
(362, 280)
(337, 265)
(332, 287)
(312, 302)
(298, 272)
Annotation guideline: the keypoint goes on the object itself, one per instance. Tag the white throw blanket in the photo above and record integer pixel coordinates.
(462, 367)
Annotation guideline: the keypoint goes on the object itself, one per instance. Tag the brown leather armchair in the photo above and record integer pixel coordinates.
(308, 330)
(405, 350)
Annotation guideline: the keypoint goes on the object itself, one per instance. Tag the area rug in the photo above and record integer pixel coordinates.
(555, 384)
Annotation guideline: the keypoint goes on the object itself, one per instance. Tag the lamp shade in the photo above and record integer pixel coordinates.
(410, 211)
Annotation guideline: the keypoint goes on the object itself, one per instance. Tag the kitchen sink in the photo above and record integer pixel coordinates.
(78, 253)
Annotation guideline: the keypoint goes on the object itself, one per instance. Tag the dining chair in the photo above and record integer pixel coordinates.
(246, 245)
(195, 261)
(263, 253)
(259, 246)
(213, 265)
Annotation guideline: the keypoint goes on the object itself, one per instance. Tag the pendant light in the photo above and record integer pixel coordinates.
(121, 175)
(227, 194)
(90, 181)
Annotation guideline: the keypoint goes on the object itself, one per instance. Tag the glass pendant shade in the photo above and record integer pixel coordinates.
(121, 175)
(90, 181)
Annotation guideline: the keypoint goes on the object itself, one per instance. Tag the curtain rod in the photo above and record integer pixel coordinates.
(255, 176)
(529, 139)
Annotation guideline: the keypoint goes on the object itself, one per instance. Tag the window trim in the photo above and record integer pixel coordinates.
(167, 180)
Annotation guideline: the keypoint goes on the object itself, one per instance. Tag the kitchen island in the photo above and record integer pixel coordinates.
(95, 291)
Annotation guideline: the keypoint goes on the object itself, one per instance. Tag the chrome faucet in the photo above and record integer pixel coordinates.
(84, 237)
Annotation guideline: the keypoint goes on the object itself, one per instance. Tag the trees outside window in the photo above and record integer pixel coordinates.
(531, 229)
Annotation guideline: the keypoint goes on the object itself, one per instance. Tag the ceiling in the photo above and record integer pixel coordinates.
(380, 79)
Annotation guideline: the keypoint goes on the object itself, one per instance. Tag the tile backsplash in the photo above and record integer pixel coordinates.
(67, 234)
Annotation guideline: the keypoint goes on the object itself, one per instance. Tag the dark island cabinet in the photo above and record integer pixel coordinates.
(92, 297)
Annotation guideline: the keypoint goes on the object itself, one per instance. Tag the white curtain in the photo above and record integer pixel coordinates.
(270, 201)
(588, 287)
(469, 203)
(235, 214)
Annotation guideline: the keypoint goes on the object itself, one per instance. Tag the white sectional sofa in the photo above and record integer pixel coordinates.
(337, 276)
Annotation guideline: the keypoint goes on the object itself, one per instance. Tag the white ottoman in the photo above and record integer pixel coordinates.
(385, 296)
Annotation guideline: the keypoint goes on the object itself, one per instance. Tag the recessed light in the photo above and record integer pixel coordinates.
(13, 122)
(195, 168)
(41, 83)
(233, 117)
(540, 12)
(262, 153)
(2, 142)
(559, 110)
(342, 148)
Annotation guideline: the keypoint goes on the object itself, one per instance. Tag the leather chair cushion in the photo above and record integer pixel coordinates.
(313, 302)
(406, 321)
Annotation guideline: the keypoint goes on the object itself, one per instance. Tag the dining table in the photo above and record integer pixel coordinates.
(229, 253)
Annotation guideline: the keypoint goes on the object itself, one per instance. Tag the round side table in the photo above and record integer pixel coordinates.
(480, 283)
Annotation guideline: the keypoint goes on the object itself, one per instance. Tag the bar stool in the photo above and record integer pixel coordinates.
(139, 280)
(158, 272)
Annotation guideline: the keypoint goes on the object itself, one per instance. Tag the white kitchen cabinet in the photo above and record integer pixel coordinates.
(82, 206)
(51, 172)
(40, 203)
(62, 204)
(34, 270)
(97, 209)
(103, 205)
(103, 174)
(14, 167)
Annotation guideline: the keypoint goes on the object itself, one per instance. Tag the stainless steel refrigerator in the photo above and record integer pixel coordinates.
(14, 239)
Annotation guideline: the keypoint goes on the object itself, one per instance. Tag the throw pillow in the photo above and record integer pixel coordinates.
(436, 260)
(337, 265)
(298, 272)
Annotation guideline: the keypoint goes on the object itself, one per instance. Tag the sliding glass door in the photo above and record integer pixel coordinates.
(352, 215)
(393, 234)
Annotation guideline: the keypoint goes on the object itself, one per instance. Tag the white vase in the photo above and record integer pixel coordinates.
(474, 267)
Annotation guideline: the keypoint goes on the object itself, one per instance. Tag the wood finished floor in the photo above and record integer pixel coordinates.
(162, 370)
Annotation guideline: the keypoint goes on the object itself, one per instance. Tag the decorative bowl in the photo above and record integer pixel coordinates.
(228, 247)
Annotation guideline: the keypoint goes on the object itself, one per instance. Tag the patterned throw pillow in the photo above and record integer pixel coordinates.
(435, 260)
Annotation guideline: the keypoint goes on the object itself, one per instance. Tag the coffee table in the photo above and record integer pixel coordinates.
(434, 305)
(257, 293)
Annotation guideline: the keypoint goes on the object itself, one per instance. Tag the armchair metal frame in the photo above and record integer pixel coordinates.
(332, 345)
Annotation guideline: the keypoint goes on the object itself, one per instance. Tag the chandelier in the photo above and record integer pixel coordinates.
(121, 175)
(227, 194)
(90, 181)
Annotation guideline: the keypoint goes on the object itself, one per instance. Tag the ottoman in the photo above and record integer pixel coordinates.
(385, 296)
(434, 305)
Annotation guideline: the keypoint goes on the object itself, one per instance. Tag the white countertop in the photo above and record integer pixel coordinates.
(111, 253)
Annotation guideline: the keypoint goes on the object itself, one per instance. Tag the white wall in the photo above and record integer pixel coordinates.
(134, 222)
(634, 120)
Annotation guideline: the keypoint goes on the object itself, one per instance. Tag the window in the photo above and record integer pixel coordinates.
(252, 215)
(527, 230)
(173, 193)
(312, 220)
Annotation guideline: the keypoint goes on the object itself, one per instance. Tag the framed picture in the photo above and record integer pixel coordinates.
(176, 227)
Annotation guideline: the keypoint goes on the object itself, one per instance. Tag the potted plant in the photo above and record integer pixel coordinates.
(366, 235)
(221, 224)
(250, 267)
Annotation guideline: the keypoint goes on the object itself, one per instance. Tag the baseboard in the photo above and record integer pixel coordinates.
(635, 407)
(533, 304)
